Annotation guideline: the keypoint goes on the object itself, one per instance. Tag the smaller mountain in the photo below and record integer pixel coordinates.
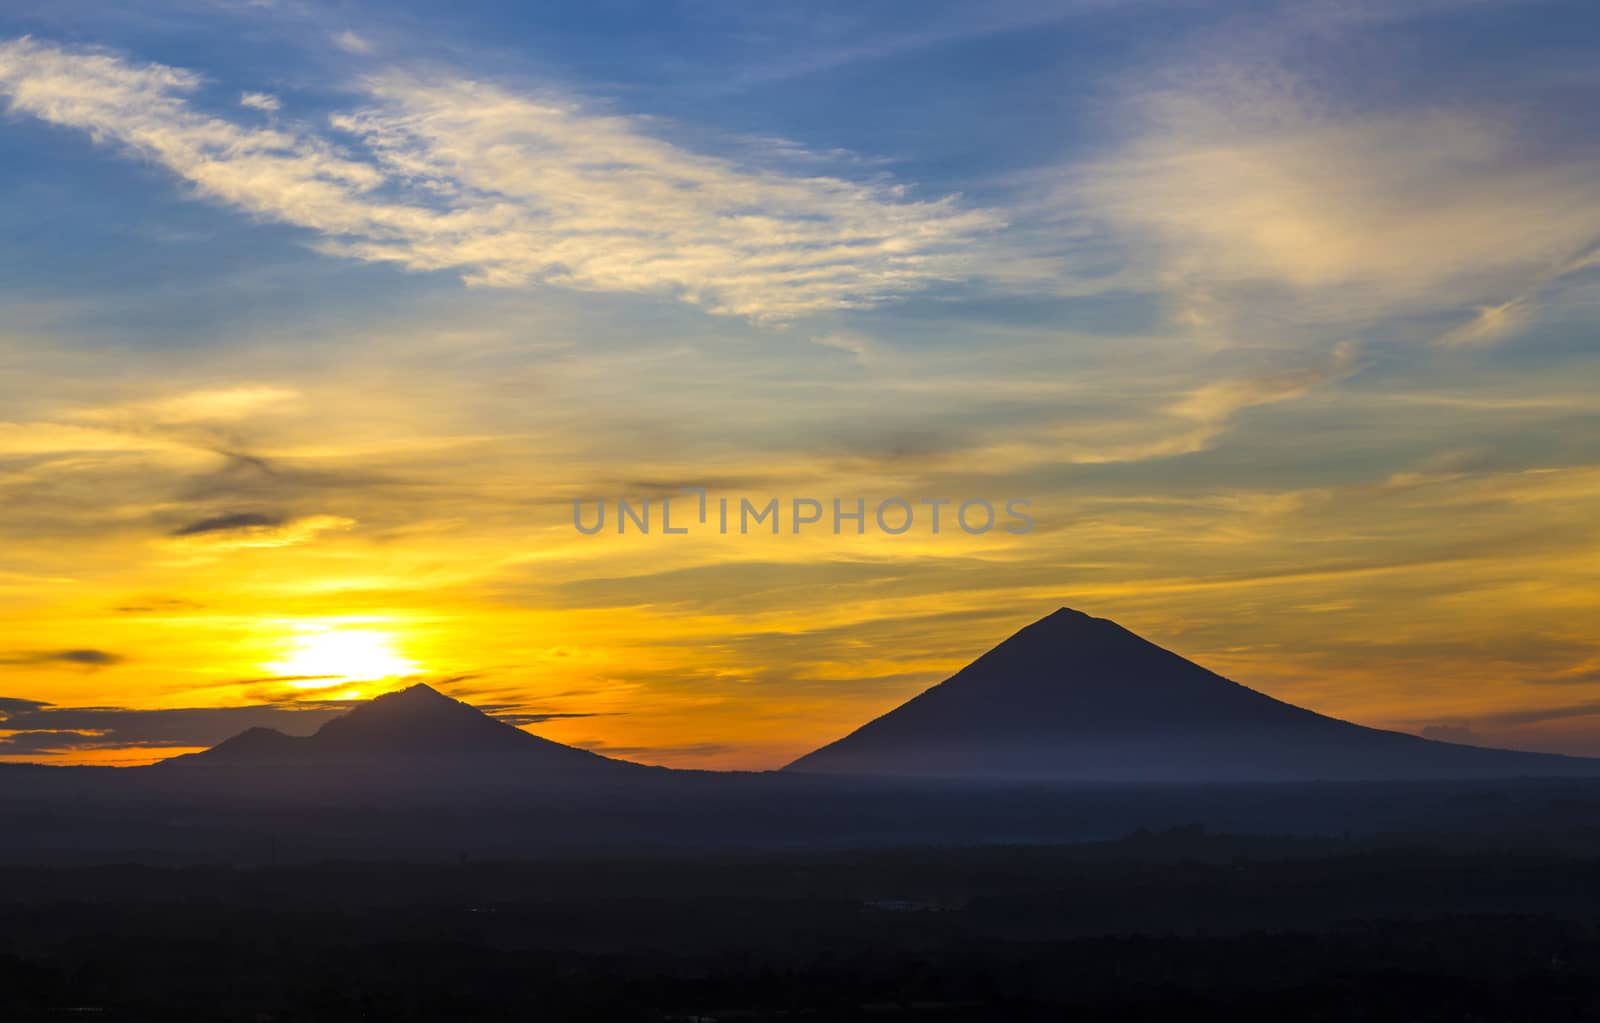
(255, 743)
(419, 723)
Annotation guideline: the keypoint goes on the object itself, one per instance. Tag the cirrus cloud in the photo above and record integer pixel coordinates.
(1256, 203)
(81, 657)
(506, 188)
(241, 530)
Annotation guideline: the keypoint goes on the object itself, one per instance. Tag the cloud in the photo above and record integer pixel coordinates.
(81, 657)
(183, 428)
(32, 726)
(351, 42)
(859, 346)
(533, 719)
(259, 101)
(544, 189)
(507, 188)
(1585, 672)
(222, 523)
(62, 438)
(47, 741)
(158, 605)
(1242, 187)
(240, 530)
(1216, 402)
(213, 405)
(1539, 715)
(1194, 421)
(1489, 323)
(92, 658)
(805, 46)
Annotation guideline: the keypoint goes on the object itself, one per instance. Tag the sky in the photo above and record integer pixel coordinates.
(319, 318)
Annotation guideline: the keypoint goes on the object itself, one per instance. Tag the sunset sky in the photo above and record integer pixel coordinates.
(317, 319)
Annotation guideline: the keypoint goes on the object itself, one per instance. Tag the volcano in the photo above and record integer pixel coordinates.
(419, 724)
(1077, 698)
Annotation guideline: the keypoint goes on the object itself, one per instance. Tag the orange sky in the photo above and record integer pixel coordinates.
(308, 349)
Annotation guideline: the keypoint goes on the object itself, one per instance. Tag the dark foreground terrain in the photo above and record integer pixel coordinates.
(401, 894)
(1172, 925)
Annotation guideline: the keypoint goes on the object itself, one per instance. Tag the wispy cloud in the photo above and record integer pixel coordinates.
(1243, 187)
(34, 727)
(1195, 421)
(241, 530)
(353, 42)
(259, 101)
(82, 657)
(1490, 323)
(196, 407)
(506, 188)
(223, 523)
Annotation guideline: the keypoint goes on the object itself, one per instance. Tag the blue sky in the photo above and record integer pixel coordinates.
(1281, 313)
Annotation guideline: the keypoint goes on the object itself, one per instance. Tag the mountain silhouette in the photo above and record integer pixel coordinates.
(1072, 697)
(415, 723)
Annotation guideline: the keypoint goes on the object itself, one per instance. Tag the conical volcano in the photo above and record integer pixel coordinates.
(423, 720)
(419, 723)
(1072, 697)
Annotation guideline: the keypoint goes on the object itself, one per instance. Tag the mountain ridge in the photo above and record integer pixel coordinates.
(415, 722)
(1067, 698)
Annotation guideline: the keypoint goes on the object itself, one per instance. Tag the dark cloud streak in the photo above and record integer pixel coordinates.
(224, 523)
(78, 728)
(82, 656)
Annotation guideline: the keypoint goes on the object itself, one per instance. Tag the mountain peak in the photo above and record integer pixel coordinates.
(1066, 614)
(1071, 648)
(1065, 620)
(420, 719)
(419, 697)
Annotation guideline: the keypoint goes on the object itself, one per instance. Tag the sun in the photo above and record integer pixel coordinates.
(349, 655)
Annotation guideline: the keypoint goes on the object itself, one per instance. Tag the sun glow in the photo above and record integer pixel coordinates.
(347, 655)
